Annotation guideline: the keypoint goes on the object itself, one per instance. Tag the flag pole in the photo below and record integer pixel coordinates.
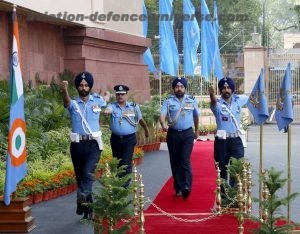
(289, 172)
(260, 167)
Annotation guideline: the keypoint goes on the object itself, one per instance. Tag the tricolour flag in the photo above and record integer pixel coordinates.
(257, 102)
(217, 62)
(191, 38)
(168, 53)
(148, 59)
(284, 105)
(16, 167)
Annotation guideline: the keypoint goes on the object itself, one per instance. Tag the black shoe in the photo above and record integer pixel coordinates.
(185, 193)
(80, 206)
(178, 194)
(88, 216)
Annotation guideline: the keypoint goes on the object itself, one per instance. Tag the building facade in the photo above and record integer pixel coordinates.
(102, 37)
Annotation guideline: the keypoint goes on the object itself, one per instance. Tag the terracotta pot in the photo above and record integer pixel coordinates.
(46, 195)
(37, 198)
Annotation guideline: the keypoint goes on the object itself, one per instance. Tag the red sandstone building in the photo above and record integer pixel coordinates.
(110, 48)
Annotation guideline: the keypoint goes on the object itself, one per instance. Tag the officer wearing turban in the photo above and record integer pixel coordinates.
(86, 144)
(179, 113)
(124, 119)
(227, 110)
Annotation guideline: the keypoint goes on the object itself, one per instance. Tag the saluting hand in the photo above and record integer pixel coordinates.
(211, 90)
(64, 85)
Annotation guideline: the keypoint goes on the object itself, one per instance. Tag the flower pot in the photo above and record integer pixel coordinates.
(137, 161)
(37, 198)
(46, 195)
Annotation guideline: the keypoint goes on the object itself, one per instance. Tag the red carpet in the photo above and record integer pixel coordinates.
(197, 207)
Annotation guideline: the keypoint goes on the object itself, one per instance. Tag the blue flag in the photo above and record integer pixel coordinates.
(284, 105)
(257, 103)
(217, 62)
(207, 41)
(16, 166)
(148, 59)
(191, 38)
(169, 58)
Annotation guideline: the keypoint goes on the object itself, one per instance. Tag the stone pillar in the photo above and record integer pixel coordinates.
(254, 60)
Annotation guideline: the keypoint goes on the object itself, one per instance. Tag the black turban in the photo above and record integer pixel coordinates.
(84, 76)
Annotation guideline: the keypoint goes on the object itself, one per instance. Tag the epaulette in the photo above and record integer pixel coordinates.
(171, 96)
(133, 104)
(191, 97)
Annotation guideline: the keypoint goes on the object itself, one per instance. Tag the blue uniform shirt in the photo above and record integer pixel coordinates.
(223, 117)
(90, 110)
(124, 120)
(180, 113)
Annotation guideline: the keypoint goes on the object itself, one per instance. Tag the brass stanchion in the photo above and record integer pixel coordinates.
(245, 187)
(135, 191)
(141, 206)
(218, 189)
(249, 189)
(265, 195)
(240, 199)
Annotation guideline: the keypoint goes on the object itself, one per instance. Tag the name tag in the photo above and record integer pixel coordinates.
(224, 118)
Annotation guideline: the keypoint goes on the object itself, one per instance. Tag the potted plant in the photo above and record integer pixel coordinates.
(274, 221)
(138, 155)
(113, 201)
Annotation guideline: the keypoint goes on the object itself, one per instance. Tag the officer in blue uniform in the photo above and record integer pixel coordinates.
(86, 145)
(179, 113)
(227, 110)
(125, 117)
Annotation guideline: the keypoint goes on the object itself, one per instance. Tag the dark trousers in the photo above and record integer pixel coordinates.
(85, 156)
(224, 150)
(123, 148)
(180, 145)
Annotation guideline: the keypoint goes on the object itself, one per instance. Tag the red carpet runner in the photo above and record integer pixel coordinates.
(197, 207)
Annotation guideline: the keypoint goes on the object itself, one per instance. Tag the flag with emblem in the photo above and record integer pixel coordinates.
(168, 53)
(16, 167)
(257, 102)
(191, 38)
(284, 105)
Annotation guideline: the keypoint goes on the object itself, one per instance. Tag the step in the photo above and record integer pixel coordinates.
(12, 226)
(14, 214)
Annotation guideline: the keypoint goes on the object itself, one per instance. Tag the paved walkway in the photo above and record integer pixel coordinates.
(58, 216)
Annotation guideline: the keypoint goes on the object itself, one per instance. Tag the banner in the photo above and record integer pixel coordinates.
(217, 62)
(191, 38)
(168, 53)
(284, 105)
(16, 167)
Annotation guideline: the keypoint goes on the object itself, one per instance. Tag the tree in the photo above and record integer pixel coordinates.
(237, 16)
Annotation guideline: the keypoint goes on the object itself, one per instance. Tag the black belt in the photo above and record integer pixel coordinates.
(180, 130)
(86, 137)
(123, 136)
